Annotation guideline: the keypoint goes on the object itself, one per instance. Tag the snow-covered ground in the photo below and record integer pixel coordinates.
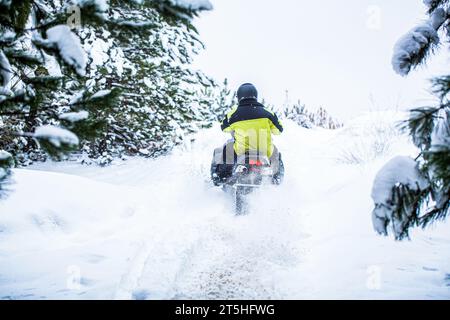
(158, 229)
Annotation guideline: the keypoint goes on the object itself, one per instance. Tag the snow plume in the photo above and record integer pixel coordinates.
(69, 46)
(5, 69)
(412, 47)
(56, 136)
(400, 171)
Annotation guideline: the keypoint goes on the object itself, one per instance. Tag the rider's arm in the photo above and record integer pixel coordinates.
(275, 125)
(226, 126)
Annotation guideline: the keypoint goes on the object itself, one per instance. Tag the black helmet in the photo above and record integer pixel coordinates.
(247, 91)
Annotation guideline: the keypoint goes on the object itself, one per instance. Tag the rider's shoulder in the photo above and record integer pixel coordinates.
(232, 111)
(268, 110)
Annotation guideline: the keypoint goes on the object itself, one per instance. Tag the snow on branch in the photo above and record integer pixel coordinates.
(4, 155)
(5, 70)
(5, 3)
(3, 173)
(440, 136)
(74, 116)
(99, 5)
(399, 177)
(68, 45)
(101, 94)
(183, 9)
(434, 4)
(413, 48)
(58, 137)
(194, 5)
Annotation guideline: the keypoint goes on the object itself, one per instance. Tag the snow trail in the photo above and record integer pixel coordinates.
(158, 229)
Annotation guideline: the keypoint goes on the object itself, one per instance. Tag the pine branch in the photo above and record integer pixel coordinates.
(435, 214)
(441, 87)
(434, 4)
(414, 48)
(14, 113)
(420, 125)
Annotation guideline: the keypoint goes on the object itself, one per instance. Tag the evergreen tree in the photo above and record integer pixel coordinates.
(298, 113)
(221, 99)
(54, 97)
(423, 195)
(163, 98)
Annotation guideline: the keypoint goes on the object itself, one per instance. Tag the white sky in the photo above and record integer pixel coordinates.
(330, 53)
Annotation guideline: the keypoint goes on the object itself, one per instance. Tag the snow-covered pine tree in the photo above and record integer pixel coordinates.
(298, 113)
(221, 99)
(163, 98)
(32, 39)
(416, 192)
(48, 94)
(305, 118)
(321, 118)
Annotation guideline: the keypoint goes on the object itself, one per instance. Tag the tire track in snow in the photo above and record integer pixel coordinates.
(130, 279)
(221, 256)
(229, 264)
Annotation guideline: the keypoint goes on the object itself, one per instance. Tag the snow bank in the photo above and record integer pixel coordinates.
(158, 229)
(68, 45)
(56, 136)
(64, 232)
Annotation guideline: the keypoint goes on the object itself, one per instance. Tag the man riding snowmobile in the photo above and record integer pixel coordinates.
(251, 126)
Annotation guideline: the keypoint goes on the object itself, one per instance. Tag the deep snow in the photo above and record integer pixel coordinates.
(157, 229)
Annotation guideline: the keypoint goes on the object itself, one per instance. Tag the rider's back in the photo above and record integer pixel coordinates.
(252, 126)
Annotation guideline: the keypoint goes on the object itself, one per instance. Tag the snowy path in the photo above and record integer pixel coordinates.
(156, 229)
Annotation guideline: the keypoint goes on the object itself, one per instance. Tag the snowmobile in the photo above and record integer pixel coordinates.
(249, 173)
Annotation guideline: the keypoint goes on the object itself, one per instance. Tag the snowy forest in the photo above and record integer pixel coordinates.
(108, 125)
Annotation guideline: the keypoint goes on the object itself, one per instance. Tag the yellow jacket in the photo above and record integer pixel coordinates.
(252, 126)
